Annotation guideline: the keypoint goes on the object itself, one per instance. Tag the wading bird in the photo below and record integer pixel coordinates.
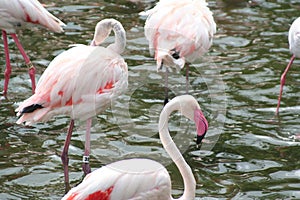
(15, 14)
(80, 82)
(143, 178)
(178, 31)
(294, 43)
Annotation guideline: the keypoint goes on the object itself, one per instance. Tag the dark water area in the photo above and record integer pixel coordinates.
(249, 152)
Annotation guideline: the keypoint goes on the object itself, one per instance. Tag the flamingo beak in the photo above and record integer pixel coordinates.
(199, 139)
(201, 125)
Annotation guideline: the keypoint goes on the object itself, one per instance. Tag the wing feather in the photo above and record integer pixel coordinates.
(15, 13)
(80, 82)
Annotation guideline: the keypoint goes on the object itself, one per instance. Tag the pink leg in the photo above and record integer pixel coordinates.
(31, 69)
(86, 166)
(7, 60)
(282, 82)
(64, 155)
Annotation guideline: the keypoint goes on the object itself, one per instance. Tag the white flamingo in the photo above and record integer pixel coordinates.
(14, 14)
(80, 82)
(179, 31)
(294, 43)
(143, 178)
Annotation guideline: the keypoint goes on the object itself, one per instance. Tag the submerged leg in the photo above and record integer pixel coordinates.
(86, 157)
(31, 69)
(7, 60)
(64, 155)
(282, 81)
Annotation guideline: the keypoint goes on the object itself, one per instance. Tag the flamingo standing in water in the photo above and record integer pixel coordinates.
(294, 43)
(144, 178)
(80, 82)
(16, 13)
(179, 31)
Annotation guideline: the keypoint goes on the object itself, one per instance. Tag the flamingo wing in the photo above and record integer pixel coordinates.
(134, 179)
(184, 28)
(79, 82)
(14, 13)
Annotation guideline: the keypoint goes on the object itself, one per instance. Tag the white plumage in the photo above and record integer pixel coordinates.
(185, 27)
(80, 82)
(294, 38)
(144, 179)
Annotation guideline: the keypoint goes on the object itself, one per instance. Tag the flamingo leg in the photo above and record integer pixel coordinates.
(187, 78)
(31, 68)
(86, 157)
(166, 87)
(7, 60)
(64, 155)
(282, 81)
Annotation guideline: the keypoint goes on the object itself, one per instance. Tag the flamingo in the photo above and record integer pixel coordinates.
(16, 13)
(80, 82)
(140, 178)
(294, 43)
(178, 31)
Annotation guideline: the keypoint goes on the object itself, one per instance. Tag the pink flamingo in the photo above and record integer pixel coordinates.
(143, 178)
(179, 31)
(80, 82)
(294, 43)
(14, 14)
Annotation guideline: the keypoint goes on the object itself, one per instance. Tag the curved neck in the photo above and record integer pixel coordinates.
(102, 31)
(172, 150)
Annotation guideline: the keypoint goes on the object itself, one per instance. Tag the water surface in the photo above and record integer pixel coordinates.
(249, 153)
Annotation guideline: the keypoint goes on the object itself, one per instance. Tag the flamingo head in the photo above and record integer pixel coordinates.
(169, 59)
(190, 108)
(201, 125)
(102, 31)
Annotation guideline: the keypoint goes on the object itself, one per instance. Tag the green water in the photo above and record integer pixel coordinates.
(249, 153)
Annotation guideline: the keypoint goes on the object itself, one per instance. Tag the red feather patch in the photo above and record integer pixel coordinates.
(100, 195)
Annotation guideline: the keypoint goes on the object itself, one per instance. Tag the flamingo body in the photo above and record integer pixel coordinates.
(294, 46)
(80, 82)
(144, 179)
(15, 13)
(179, 31)
(125, 179)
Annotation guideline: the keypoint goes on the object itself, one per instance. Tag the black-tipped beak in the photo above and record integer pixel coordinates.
(199, 139)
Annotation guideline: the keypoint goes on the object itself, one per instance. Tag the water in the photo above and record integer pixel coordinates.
(249, 153)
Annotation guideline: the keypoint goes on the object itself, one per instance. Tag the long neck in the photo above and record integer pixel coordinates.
(103, 30)
(172, 150)
(120, 38)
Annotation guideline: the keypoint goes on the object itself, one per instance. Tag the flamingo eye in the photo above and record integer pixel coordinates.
(175, 54)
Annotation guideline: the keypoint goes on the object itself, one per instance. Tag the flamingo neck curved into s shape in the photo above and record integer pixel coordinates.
(120, 38)
(173, 151)
(102, 31)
